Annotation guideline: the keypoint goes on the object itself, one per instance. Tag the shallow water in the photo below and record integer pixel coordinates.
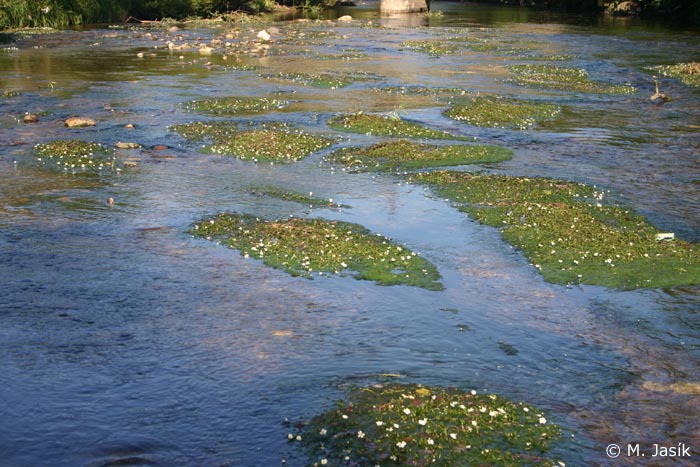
(126, 342)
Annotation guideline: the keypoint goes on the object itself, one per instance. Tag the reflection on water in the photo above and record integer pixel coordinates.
(125, 342)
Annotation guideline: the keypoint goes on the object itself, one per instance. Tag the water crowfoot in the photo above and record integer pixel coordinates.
(303, 247)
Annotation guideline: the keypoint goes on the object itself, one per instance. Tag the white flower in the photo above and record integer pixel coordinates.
(401, 444)
(345, 417)
(543, 420)
(473, 392)
(290, 436)
(453, 435)
(380, 423)
(423, 421)
(407, 411)
(324, 461)
(323, 432)
(430, 441)
(298, 437)
(360, 434)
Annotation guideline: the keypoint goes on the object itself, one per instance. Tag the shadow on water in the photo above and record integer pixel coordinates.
(126, 342)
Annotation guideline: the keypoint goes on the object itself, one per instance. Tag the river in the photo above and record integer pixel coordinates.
(124, 341)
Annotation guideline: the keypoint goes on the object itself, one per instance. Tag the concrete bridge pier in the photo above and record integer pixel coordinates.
(404, 6)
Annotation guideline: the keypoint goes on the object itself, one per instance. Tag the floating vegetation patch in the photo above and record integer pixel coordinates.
(497, 112)
(236, 105)
(433, 48)
(275, 142)
(304, 247)
(402, 425)
(423, 91)
(8, 94)
(196, 131)
(568, 234)
(565, 79)
(308, 200)
(402, 155)
(687, 73)
(74, 154)
(385, 125)
(321, 80)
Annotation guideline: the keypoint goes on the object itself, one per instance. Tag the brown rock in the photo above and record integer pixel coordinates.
(77, 122)
(30, 118)
(123, 145)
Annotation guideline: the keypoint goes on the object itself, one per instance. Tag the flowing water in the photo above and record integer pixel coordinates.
(124, 341)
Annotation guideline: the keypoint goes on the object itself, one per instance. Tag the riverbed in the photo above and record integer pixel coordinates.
(125, 341)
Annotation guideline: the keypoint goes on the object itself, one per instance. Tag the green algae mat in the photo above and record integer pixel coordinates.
(402, 425)
(307, 247)
(386, 125)
(498, 112)
(269, 143)
(568, 234)
(404, 155)
(75, 154)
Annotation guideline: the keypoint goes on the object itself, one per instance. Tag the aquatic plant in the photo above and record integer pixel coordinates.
(423, 91)
(308, 200)
(687, 73)
(328, 80)
(385, 125)
(497, 112)
(272, 142)
(433, 48)
(303, 247)
(402, 425)
(196, 131)
(236, 105)
(8, 94)
(75, 154)
(567, 232)
(402, 155)
(565, 79)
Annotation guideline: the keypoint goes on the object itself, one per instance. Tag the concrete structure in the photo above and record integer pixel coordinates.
(403, 6)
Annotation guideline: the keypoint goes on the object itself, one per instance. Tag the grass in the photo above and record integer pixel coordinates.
(402, 155)
(271, 143)
(383, 125)
(74, 154)
(497, 112)
(687, 73)
(236, 105)
(567, 232)
(308, 200)
(564, 79)
(412, 425)
(304, 247)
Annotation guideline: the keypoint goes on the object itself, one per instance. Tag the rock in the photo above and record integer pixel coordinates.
(131, 162)
(30, 118)
(123, 145)
(129, 126)
(345, 19)
(173, 29)
(273, 31)
(160, 147)
(78, 122)
(204, 50)
(264, 35)
(139, 55)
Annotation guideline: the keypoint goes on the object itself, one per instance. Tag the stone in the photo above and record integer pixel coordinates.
(403, 6)
(264, 35)
(345, 19)
(78, 122)
(123, 145)
(30, 118)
